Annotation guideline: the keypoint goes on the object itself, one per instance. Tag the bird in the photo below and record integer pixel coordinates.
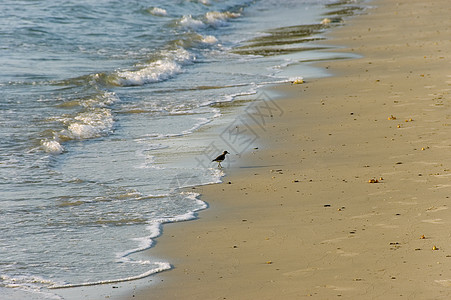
(220, 158)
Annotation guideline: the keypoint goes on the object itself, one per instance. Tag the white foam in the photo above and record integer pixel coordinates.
(162, 266)
(212, 18)
(103, 100)
(144, 243)
(232, 97)
(215, 18)
(200, 122)
(108, 98)
(156, 71)
(29, 284)
(209, 39)
(204, 2)
(96, 120)
(217, 175)
(52, 146)
(155, 225)
(91, 124)
(190, 23)
(21, 280)
(156, 11)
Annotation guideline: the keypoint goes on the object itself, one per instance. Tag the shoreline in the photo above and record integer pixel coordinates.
(299, 217)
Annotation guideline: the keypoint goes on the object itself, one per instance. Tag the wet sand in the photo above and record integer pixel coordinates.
(299, 217)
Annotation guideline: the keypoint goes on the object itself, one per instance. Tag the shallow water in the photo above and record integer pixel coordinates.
(103, 104)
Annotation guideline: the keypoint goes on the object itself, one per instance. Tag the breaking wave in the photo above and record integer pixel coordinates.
(95, 119)
(210, 19)
(162, 69)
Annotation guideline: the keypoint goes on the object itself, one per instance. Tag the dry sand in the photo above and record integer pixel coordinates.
(300, 218)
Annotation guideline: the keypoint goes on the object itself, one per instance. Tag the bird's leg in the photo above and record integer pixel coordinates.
(219, 165)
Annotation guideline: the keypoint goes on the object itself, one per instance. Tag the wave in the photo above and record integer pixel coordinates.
(52, 146)
(194, 40)
(190, 23)
(162, 69)
(209, 39)
(35, 284)
(217, 19)
(145, 243)
(91, 124)
(162, 266)
(204, 2)
(93, 121)
(210, 19)
(156, 11)
(28, 284)
(155, 72)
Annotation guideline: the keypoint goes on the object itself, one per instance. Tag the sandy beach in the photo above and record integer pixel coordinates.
(348, 192)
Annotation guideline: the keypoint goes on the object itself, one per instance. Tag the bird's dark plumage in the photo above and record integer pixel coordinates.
(220, 158)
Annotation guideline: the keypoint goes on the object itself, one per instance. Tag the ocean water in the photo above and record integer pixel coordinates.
(103, 110)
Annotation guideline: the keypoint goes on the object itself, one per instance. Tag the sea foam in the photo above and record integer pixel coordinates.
(144, 243)
(209, 39)
(210, 19)
(215, 18)
(161, 266)
(52, 146)
(91, 124)
(190, 23)
(94, 121)
(157, 71)
(156, 11)
(162, 69)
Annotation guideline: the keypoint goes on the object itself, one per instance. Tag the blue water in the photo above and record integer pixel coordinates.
(103, 105)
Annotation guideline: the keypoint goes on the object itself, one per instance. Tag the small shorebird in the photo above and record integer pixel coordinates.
(220, 158)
